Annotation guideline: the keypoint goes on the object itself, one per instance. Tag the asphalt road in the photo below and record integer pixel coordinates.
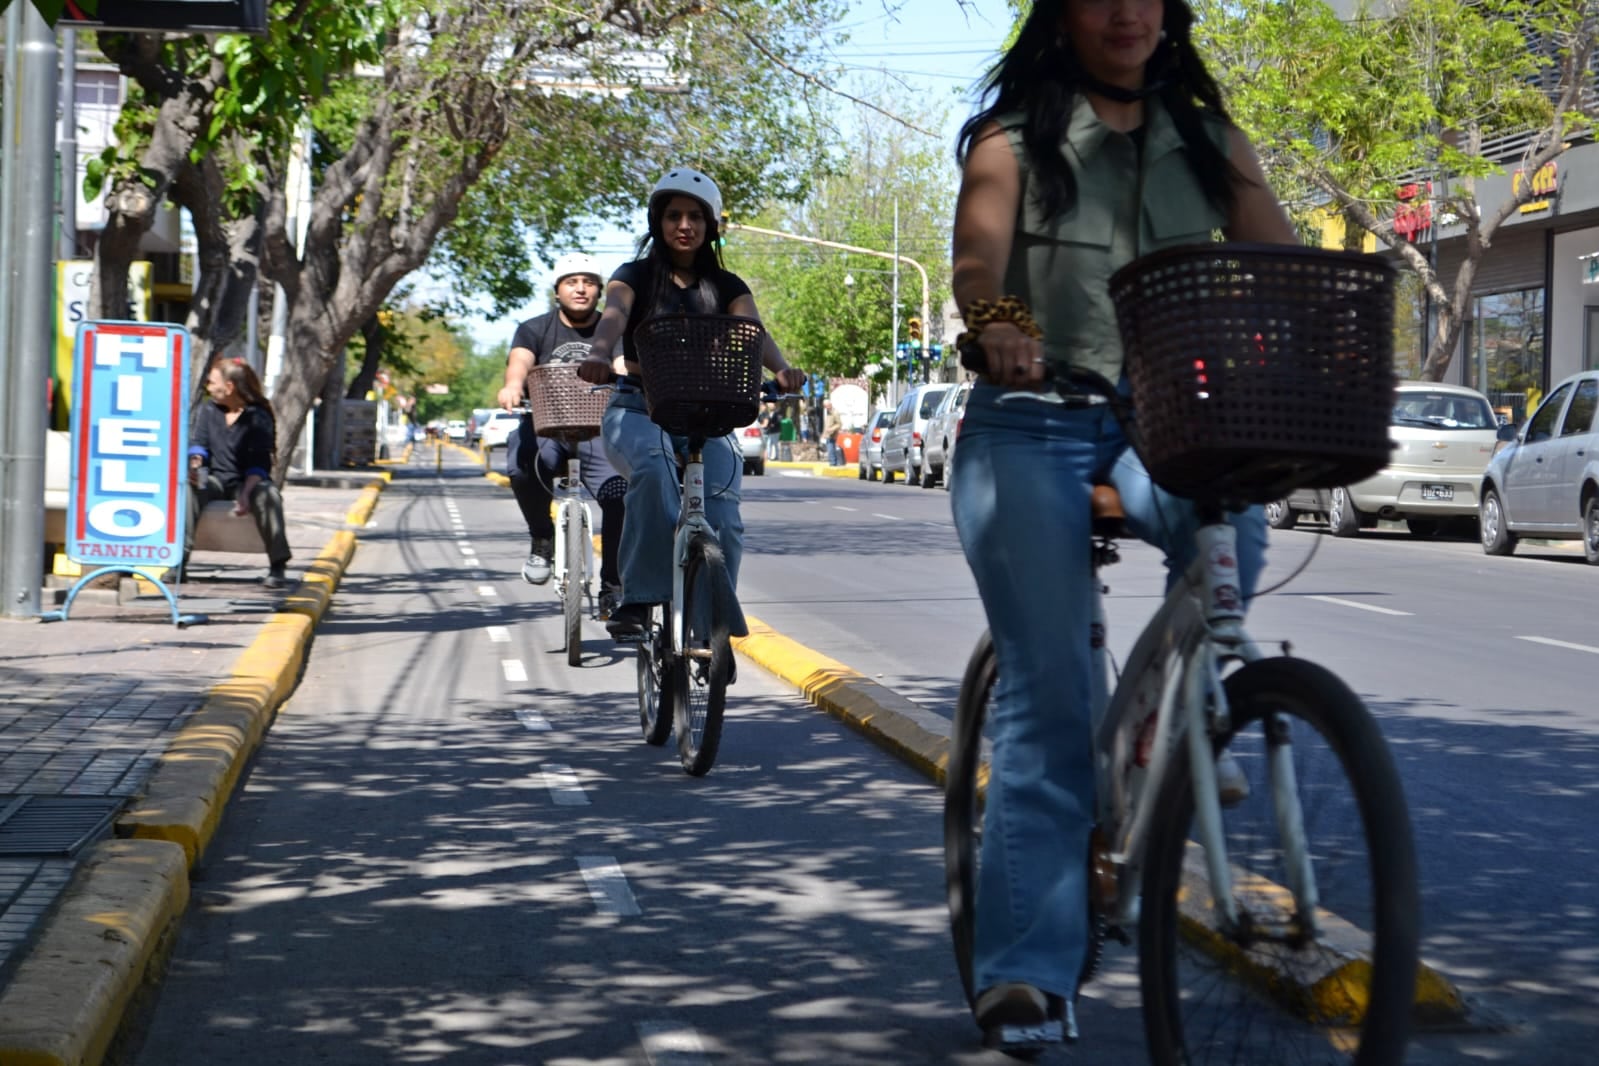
(453, 848)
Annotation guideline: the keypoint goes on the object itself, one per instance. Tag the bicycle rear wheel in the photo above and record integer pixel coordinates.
(706, 663)
(1210, 997)
(965, 780)
(573, 579)
(962, 812)
(657, 686)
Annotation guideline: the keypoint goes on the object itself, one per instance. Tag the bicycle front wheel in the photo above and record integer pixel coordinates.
(572, 587)
(706, 662)
(1280, 989)
(657, 685)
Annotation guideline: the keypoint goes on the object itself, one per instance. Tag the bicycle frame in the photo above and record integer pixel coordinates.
(691, 520)
(1198, 628)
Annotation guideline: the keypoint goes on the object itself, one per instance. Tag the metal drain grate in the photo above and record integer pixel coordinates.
(53, 825)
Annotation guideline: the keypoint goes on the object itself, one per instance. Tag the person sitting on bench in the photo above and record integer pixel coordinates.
(230, 457)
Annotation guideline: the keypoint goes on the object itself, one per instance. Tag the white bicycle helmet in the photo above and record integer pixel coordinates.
(576, 263)
(689, 183)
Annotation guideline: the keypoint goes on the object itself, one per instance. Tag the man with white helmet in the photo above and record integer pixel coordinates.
(561, 335)
(678, 269)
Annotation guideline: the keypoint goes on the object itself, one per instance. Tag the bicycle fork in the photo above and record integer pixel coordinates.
(573, 535)
(691, 522)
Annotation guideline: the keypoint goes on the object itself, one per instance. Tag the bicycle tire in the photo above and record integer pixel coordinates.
(656, 685)
(706, 660)
(962, 820)
(572, 587)
(1209, 998)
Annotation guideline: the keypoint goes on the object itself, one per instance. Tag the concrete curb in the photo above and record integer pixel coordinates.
(921, 739)
(67, 999)
(814, 469)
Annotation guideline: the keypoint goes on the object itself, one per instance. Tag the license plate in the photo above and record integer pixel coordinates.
(1437, 492)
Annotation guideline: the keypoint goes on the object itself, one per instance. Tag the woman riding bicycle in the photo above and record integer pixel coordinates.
(1102, 138)
(678, 269)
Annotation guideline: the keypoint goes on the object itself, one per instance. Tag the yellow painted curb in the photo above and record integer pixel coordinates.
(64, 1003)
(891, 720)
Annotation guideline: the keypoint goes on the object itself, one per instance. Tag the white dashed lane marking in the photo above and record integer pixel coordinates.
(487, 591)
(563, 786)
(533, 721)
(1359, 606)
(671, 1044)
(1561, 644)
(608, 886)
(889, 517)
(499, 634)
(514, 670)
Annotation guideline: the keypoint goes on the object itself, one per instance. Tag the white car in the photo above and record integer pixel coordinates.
(752, 442)
(455, 429)
(497, 430)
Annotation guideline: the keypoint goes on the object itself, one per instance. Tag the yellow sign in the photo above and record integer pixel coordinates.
(1545, 183)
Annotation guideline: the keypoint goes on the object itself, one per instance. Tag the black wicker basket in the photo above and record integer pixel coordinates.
(1256, 369)
(702, 373)
(565, 406)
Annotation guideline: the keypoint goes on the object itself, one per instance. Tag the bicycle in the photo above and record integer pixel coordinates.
(702, 375)
(1226, 900)
(565, 407)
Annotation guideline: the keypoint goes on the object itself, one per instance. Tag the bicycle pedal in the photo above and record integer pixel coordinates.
(1025, 1038)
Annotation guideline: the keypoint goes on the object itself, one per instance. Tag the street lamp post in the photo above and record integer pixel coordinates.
(893, 256)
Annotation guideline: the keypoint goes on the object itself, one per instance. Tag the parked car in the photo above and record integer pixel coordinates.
(1443, 437)
(753, 444)
(871, 451)
(475, 424)
(902, 440)
(1545, 481)
(938, 443)
(455, 429)
(496, 431)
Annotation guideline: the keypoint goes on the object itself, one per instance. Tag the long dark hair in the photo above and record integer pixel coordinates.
(707, 257)
(244, 380)
(1040, 77)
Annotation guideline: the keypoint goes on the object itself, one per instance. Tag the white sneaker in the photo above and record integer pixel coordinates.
(1231, 784)
(536, 571)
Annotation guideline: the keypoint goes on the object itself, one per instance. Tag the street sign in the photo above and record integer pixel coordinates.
(130, 434)
(172, 16)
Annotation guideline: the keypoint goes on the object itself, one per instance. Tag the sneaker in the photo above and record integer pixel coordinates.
(1231, 784)
(1021, 1020)
(628, 621)
(536, 571)
(276, 578)
(610, 600)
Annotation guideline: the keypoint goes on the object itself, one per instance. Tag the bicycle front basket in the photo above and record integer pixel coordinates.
(702, 373)
(565, 407)
(1256, 369)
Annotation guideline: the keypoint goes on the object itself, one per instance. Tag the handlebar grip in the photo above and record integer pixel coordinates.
(973, 357)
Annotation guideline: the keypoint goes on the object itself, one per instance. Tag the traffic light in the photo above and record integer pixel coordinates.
(915, 328)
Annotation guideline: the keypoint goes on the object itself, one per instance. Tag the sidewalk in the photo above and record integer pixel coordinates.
(121, 736)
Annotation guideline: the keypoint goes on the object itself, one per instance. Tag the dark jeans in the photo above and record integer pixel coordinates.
(266, 506)
(533, 463)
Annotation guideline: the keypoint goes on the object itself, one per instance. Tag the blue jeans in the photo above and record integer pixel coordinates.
(1021, 503)
(646, 455)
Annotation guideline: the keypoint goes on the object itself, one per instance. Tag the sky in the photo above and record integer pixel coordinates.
(933, 46)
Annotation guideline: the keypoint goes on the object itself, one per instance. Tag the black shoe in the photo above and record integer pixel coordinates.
(628, 621)
(276, 577)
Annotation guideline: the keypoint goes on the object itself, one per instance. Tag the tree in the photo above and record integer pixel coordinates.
(830, 310)
(460, 93)
(1354, 109)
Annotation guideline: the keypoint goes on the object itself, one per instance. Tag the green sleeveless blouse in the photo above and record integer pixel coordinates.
(1124, 208)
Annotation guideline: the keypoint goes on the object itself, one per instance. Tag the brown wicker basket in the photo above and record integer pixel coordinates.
(1256, 369)
(702, 373)
(565, 406)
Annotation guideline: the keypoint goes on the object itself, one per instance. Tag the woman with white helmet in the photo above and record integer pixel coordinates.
(678, 269)
(532, 462)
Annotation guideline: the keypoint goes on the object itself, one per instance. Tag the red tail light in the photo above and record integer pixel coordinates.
(877, 434)
(752, 431)
(916, 438)
(959, 422)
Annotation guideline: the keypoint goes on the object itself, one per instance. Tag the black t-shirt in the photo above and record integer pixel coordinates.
(639, 275)
(237, 451)
(551, 340)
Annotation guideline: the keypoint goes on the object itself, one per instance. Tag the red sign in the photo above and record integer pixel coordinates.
(1414, 214)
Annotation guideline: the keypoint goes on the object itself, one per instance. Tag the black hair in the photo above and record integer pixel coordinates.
(1040, 77)
(707, 257)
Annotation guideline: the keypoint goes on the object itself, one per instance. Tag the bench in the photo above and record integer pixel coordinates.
(220, 529)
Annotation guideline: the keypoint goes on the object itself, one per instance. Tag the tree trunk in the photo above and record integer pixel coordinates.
(365, 378)
(330, 419)
(229, 261)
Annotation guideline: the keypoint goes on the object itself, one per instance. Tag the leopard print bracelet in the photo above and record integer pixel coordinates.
(980, 313)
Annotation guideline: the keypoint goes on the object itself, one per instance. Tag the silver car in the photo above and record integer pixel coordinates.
(902, 441)
(1443, 437)
(1545, 482)
(871, 450)
(938, 443)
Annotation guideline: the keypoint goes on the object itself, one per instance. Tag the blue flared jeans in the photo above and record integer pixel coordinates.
(646, 455)
(1023, 477)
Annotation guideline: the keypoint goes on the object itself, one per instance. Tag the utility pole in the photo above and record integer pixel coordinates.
(894, 255)
(893, 355)
(29, 199)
